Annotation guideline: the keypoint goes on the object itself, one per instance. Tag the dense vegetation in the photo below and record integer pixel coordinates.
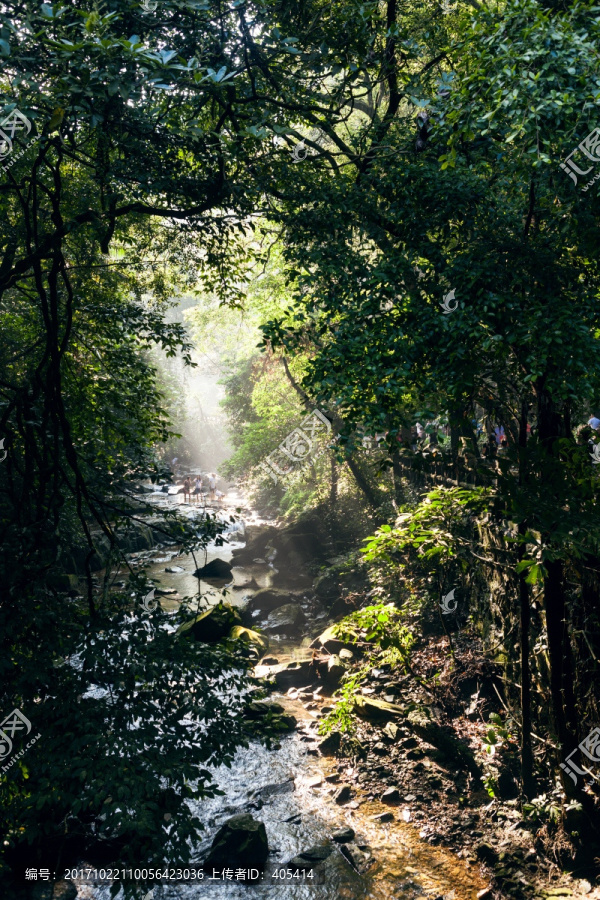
(330, 172)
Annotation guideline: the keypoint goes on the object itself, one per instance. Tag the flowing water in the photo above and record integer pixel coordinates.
(286, 789)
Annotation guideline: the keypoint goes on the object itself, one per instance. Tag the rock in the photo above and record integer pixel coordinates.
(216, 568)
(358, 858)
(384, 817)
(174, 570)
(268, 599)
(343, 794)
(309, 858)
(166, 592)
(286, 619)
(63, 582)
(212, 625)
(486, 853)
(240, 842)
(485, 894)
(391, 730)
(444, 739)
(286, 675)
(315, 781)
(269, 661)
(346, 654)
(284, 787)
(247, 636)
(343, 835)
(380, 748)
(391, 796)
(329, 642)
(330, 745)
(333, 778)
(335, 670)
(376, 710)
(259, 708)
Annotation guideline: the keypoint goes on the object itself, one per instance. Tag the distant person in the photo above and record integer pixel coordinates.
(198, 488)
(187, 488)
(499, 433)
(212, 485)
(594, 423)
(219, 496)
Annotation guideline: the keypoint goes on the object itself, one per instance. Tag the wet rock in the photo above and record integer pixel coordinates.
(240, 842)
(212, 625)
(166, 592)
(259, 708)
(287, 619)
(268, 599)
(376, 710)
(330, 745)
(359, 859)
(333, 779)
(485, 894)
(391, 796)
(174, 570)
(309, 858)
(269, 661)
(343, 835)
(343, 794)
(253, 639)
(216, 568)
(284, 787)
(384, 817)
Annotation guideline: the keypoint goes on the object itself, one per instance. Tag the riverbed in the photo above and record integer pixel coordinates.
(287, 788)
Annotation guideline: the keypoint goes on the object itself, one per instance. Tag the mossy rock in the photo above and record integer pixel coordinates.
(212, 625)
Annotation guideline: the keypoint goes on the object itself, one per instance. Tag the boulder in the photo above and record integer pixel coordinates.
(240, 842)
(286, 619)
(212, 624)
(376, 710)
(249, 637)
(63, 582)
(268, 599)
(287, 675)
(216, 568)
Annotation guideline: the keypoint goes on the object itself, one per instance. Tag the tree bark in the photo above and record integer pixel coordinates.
(527, 779)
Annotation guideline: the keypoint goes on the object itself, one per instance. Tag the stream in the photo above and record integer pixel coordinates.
(286, 788)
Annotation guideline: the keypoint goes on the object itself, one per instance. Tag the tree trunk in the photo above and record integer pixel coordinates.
(527, 779)
(550, 425)
(397, 473)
